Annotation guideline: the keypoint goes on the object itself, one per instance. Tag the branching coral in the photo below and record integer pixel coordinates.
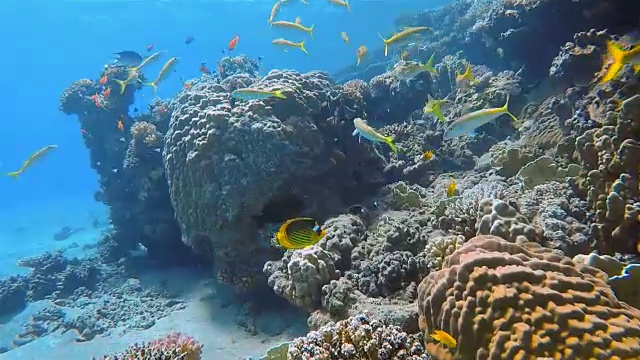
(174, 346)
(357, 338)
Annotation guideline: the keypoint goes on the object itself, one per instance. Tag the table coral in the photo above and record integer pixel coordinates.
(507, 301)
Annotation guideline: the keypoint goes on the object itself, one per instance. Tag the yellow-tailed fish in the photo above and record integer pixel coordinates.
(427, 155)
(444, 338)
(467, 124)
(151, 58)
(256, 94)
(294, 25)
(618, 58)
(409, 69)
(164, 72)
(345, 37)
(298, 233)
(133, 76)
(465, 79)
(288, 43)
(360, 53)
(451, 188)
(363, 130)
(32, 159)
(401, 35)
(343, 3)
(434, 107)
(274, 10)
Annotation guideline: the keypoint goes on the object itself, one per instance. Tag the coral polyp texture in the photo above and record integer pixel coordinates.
(507, 301)
(358, 337)
(174, 346)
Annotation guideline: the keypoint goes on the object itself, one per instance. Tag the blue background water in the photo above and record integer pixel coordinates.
(47, 45)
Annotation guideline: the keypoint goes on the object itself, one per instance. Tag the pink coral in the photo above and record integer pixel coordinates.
(172, 347)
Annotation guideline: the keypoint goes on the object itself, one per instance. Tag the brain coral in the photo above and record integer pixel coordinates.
(508, 301)
(225, 159)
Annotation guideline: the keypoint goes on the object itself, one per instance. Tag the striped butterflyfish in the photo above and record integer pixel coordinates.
(298, 233)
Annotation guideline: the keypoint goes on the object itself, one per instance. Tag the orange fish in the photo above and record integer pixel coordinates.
(103, 80)
(149, 47)
(361, 52)
(205, 69)
(83, 131)
(220, 69)
(234, 42)
(96, 100)
(186, 85)
(120, 126)
(106, 92)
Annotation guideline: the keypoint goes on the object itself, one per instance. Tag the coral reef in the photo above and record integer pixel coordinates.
(358, 337)
(573, 307)
(174, 346)
(129, 164)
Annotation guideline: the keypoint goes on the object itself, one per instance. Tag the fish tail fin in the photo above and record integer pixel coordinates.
(154, 87)
(429, 65)
(278, 94)
(123, 86)
(392, 145)
(301, 46)
(386, 44)
(311, 31)
(615, 52)
(14, 174)
(516, 122)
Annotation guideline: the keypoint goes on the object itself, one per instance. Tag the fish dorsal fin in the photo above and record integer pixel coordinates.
(298, 20)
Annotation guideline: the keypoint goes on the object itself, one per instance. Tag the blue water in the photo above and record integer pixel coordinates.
(49, 44)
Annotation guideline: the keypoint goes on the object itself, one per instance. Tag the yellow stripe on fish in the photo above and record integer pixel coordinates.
(363, 130)
(294, 25)
(32, 159)
(467, 124)
(164, 72)
(256, 94)
(289, 43)
(299, 233)
(401, 35)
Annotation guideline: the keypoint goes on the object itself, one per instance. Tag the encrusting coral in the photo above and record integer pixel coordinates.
(502, 300)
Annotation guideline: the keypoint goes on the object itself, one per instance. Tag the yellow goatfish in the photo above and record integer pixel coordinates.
(134, 74)
(256, 94)
(30, 161)
(465, 79)
(620, 57)
(150, 59)
(401, 35)
(434, 107)
(342, 3)
(409, 69)
(274, 10)
(363, 130)
(467, 124)
(288, 43)
(164, 72)
(294, 25)
(360, 53)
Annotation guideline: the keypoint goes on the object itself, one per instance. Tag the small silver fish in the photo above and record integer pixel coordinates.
(365, 131)
(467, 124)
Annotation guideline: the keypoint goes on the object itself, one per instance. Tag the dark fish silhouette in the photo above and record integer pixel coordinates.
(127, 58)
(189, 40)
